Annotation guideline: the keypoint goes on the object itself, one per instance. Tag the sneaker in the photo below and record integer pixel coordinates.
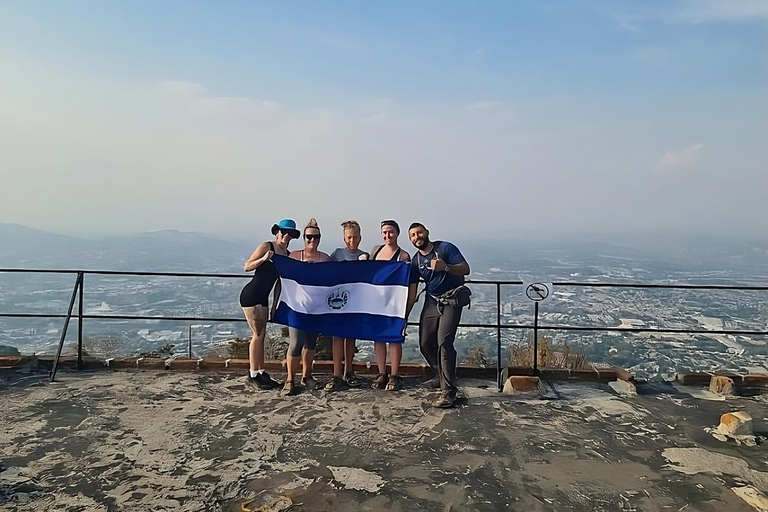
(309, 383)
(264, 381)
(251, 382)
(335, 384)
(446, 400)
(380, 382)
(433, 383)
(289, 389)
(395, 383)
(351, 378)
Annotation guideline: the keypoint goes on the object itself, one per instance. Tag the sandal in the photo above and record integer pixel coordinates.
(380, 382)
(395, 383)
(351, 378)
(309, 383)
(335, 384)
(289, 389)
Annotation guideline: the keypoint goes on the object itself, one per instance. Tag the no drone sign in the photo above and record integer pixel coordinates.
(538, 292)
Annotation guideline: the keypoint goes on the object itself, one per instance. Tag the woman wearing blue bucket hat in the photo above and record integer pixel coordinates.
(254, 298)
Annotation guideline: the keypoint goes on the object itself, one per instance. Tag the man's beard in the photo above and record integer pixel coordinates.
(421, 243)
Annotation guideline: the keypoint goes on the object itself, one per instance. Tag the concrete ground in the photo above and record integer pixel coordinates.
(167, 440)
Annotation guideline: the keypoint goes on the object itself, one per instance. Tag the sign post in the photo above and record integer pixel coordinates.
(537, 292)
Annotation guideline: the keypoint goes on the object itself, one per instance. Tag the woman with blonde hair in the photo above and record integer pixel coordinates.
(389, 251)
(302, 344)
(344, 348)
(254, 298)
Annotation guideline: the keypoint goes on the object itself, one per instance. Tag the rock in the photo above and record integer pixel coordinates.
(522, 384)
(7, 350)
(623, 387)
(721, 385)
(754, 497)
(735, 424)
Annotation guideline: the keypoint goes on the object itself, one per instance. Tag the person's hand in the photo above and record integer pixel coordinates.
(363, 257)
(437, 265)
(268, 256)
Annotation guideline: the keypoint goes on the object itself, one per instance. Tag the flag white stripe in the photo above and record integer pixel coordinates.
(386, 300)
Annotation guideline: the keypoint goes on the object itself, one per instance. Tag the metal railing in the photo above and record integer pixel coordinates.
(77, 294)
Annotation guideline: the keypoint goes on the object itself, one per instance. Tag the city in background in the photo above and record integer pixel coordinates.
(647, 355)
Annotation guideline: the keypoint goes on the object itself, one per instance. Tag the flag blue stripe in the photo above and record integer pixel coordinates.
(335, 273)
(348, 325)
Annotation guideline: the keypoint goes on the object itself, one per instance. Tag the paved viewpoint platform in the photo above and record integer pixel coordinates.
(190, 441)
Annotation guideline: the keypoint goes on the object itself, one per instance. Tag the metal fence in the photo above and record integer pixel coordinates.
(535, 291)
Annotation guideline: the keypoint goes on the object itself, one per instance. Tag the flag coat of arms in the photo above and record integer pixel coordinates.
(350, 299)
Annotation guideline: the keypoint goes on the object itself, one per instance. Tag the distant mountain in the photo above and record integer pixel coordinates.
(167, 250)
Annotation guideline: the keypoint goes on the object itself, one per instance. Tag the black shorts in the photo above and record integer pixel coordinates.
(256, 292)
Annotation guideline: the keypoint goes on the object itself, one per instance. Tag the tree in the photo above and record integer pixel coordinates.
(478, 358)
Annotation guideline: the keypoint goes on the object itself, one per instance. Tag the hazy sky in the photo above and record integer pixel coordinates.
(477, 118)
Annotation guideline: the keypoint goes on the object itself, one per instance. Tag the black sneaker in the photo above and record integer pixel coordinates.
(265, 382)
(251, 382)
(446, 400)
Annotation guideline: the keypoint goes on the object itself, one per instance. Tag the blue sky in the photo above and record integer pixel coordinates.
(622, 115)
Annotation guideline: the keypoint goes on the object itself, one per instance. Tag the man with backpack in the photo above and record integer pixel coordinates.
(442, 267)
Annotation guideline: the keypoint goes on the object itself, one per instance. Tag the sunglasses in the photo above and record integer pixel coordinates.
(312, 237)
(285, 233)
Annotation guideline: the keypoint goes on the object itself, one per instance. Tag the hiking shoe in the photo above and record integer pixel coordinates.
(395, 383)
(351, 378)
(309, 383)
(335, 384)
(433, 383)
(264, 381)
(446, 400)
(380, 382)
(289, 389)
(251, 382)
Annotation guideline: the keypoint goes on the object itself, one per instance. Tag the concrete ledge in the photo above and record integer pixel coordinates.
(326, 367)
(752, 380)
(523, 384)
(12, 361)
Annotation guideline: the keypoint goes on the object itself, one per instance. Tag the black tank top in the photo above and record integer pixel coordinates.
(267, 270)
(395, 257)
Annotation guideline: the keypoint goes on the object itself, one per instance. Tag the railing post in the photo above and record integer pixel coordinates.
(536, 338)
(66, 325)
(189, 347)
(81, 277)
(498, 336)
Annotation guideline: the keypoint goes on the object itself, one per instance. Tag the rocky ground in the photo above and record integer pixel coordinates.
(155, 441)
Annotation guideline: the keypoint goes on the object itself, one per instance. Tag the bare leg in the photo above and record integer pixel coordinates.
(293, 366)
(257, 321)
(338, 353)
(307, 360)
(349, 354)
(395, 356)
(381, 356)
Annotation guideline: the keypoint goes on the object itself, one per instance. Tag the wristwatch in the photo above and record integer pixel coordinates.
(447, 266)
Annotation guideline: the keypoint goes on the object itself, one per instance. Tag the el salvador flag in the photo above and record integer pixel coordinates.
(349, 299)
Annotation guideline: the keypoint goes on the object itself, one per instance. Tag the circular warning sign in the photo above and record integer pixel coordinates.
(537, 291)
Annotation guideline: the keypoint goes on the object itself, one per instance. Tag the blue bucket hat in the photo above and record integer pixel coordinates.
(286, 225)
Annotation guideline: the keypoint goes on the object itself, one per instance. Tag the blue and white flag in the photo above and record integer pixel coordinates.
(349, 299)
